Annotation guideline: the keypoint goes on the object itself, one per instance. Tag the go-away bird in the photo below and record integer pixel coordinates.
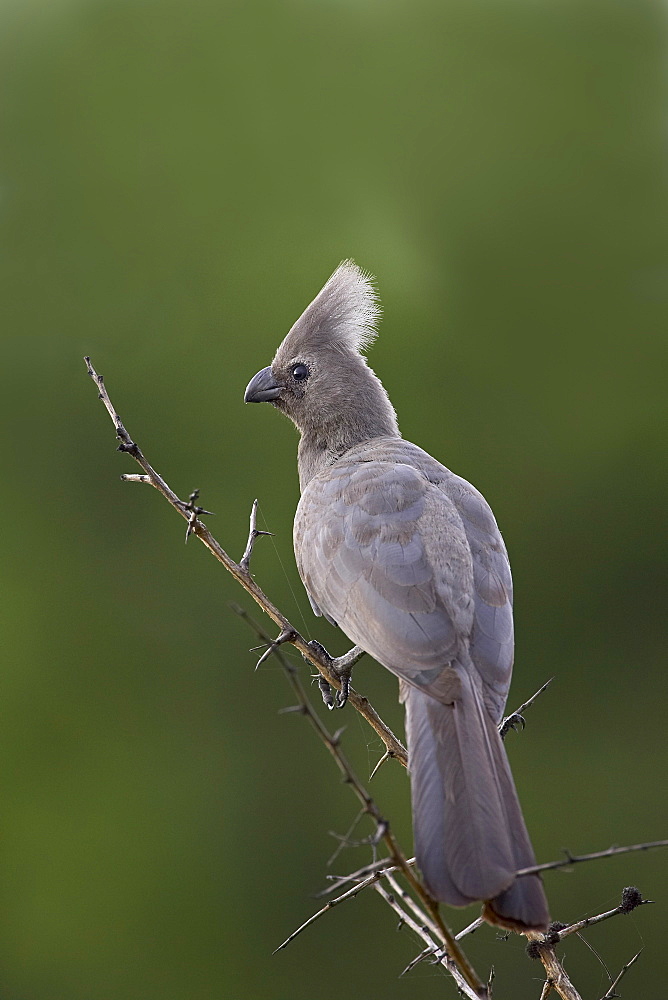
(406, 557)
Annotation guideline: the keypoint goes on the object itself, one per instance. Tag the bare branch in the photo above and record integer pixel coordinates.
(543, 946)
(540, 947)
(361, 873)
(346, 840)
(127, 444)
(410, 903)
(574, 859)
(350, 894)
(631, 900)
(610, 995)
(470, 929)
(474, 993)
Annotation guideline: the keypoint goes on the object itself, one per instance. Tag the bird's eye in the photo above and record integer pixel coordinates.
(300, 373)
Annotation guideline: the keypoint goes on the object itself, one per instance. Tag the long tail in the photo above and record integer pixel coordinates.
(470, 836)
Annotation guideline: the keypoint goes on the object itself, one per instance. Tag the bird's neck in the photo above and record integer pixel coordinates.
(319, 448)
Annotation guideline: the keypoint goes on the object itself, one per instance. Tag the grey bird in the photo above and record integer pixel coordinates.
(408, 560)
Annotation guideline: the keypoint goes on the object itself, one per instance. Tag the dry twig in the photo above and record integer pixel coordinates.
(440, 956)
(350, 894)
(574, 859)
(543, 946)
(631, 900)
(557, 978)
(336, 881)
(610, 995)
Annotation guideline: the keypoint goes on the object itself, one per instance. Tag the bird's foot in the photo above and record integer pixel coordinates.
(342, 668)
(514, 722)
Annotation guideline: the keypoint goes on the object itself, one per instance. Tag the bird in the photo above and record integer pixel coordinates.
(407, 559)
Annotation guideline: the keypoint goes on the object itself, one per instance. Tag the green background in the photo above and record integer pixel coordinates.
(177, 182)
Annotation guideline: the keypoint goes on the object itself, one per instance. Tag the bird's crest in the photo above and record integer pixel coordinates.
(343, 315)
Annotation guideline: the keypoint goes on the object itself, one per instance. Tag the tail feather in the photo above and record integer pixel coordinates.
(470, 835)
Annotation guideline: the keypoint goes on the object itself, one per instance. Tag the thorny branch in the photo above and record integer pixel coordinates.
(610, 994)
(574, 859)
(631, 900)
(543, 946)
(329, 905)
(423, 931)
(422, 917)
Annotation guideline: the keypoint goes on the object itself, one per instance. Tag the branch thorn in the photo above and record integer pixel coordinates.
(253, 534)
(287, 635)
(386, 756)
(195, 512)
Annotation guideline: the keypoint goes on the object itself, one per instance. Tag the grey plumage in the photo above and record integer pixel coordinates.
(407, 558)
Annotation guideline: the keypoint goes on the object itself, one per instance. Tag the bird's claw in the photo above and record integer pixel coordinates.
(514, 722)
(326, 692)
(344, 676)
(341, 669)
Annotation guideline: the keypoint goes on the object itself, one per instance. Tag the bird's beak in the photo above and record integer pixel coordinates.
(262, 388)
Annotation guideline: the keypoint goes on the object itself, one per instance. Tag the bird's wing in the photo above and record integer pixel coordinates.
(400, 553)
(491, 645)
(366, 540)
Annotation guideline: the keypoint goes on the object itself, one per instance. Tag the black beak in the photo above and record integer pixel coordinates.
(262, 388)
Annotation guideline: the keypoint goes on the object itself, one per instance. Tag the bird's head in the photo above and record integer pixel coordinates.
(319, 376)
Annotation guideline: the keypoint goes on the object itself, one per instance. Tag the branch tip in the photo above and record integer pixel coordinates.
(631, 899)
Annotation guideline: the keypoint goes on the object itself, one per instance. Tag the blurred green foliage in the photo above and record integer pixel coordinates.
(177, 182)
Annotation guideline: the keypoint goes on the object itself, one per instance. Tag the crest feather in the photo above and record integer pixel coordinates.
(343, 314)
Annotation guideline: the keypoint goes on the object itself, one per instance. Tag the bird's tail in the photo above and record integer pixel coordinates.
(470, 836)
